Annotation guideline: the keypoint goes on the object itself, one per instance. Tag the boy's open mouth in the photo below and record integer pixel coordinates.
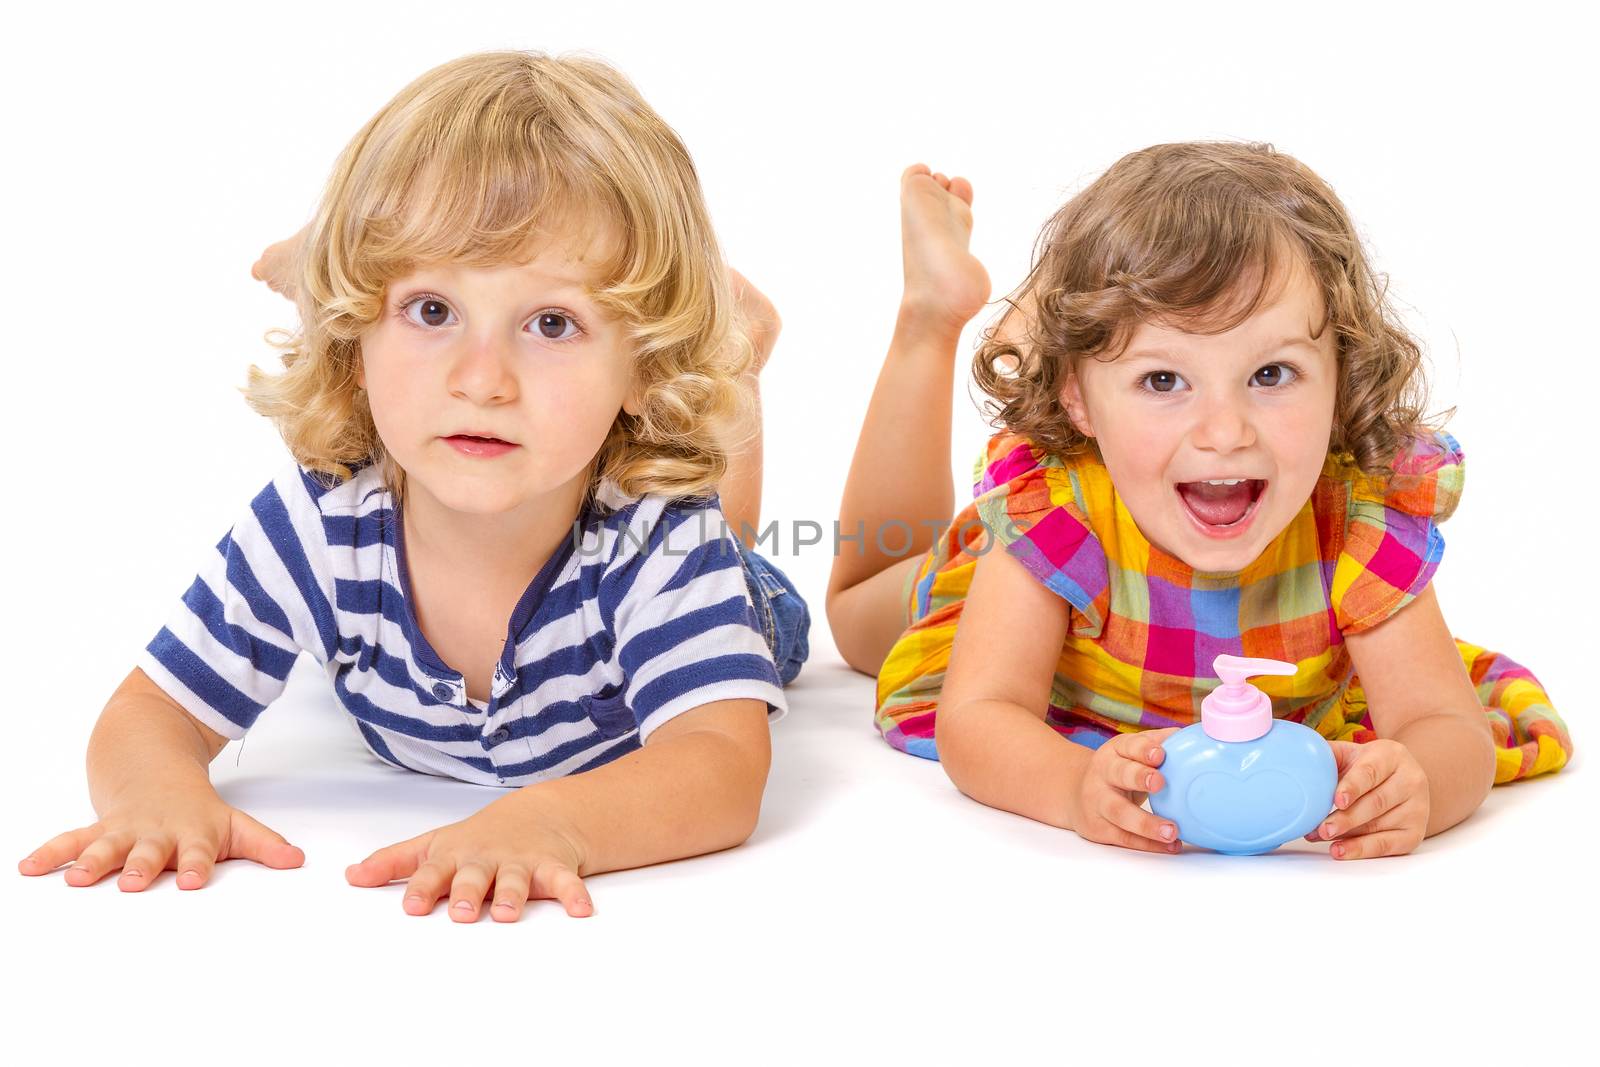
(1222, 503)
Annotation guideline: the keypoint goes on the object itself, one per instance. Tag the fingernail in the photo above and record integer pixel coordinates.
(1174, 847)
(462, 905)
(1342, 799)
(1327, 829)
(1149, 778)
(131, 874)
(1338, 851)
(1167, 832)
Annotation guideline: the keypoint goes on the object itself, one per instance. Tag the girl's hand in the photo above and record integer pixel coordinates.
(1381, 801)
(523, 854)
(945, 283)
(276, 265)
(1114, 785)
(143, 835)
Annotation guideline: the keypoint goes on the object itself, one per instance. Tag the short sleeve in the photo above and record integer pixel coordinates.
(1029, 504)
(686, 630)
(260, 598)
(1392, 544)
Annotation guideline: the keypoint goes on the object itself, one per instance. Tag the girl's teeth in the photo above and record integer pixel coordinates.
(1225, 481)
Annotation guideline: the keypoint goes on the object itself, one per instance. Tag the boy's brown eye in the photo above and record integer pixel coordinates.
(434, 312)
(554, 325)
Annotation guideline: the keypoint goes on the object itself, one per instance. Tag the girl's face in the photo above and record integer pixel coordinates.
(518, 353)
(1215, 441)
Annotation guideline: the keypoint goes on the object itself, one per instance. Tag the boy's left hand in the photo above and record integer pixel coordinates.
(523, 854)
(1381, 801)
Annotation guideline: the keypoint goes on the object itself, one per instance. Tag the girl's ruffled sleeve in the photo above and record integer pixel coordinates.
(1392, 544)
(1028, 506)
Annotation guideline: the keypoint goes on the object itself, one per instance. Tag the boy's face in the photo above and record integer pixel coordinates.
(519, 353)
(1179, 410)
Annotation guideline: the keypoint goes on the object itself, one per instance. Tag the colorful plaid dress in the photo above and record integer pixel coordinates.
(1144, 626)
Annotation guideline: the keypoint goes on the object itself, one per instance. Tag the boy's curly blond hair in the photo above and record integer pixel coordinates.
(479, 161)
(1171, 234)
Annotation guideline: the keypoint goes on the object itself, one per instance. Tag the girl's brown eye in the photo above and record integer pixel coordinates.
(1273, 374)
(1162, 381)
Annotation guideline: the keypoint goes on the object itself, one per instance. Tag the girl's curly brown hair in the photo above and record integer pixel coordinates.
(1170, 234)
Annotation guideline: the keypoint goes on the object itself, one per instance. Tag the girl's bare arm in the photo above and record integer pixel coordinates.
(991, 733)
(1419, 694)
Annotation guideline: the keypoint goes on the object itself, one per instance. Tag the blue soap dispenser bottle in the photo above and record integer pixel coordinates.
(1239, 781)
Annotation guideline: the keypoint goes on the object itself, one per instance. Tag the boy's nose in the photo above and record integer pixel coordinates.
(482, 370)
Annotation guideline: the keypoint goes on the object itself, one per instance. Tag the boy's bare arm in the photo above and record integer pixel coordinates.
(144, 735)
(150, 784)
(694, 787)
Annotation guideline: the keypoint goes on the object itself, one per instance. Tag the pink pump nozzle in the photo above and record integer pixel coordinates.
(1237, 710)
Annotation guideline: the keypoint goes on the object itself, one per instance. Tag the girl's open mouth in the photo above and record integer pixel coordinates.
(1222, 507)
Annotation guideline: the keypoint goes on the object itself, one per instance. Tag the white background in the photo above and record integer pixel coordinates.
(152, 152)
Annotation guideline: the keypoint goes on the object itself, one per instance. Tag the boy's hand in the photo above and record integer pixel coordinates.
(1381, 801)
(276, 265)
(143, 835)
(945, 283)
(510, 844)
(1114, 785)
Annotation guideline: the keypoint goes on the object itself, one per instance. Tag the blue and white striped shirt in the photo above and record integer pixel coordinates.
(640, 618)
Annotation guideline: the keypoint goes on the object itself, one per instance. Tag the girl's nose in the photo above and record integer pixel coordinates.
(482, 371)
(1222, 427)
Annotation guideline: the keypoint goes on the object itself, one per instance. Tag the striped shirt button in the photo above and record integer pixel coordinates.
(442, 691)
(500, 735)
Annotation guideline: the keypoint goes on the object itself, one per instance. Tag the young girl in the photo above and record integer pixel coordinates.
(1211, 441)
(510, 404)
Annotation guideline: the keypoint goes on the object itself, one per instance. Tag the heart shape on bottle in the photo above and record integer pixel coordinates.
(1259, 809)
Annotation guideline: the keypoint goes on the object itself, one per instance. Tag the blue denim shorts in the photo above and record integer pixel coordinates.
(785, 619)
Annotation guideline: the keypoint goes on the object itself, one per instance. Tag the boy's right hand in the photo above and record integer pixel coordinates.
(143, 835)
(1115, 782)
(945, 283)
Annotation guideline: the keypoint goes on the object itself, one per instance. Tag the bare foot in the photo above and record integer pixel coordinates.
(740, 487)
(944, 281)
(276, 265)
(759, 315)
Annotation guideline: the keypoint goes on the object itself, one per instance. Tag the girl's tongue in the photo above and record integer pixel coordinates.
(1219, 505)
